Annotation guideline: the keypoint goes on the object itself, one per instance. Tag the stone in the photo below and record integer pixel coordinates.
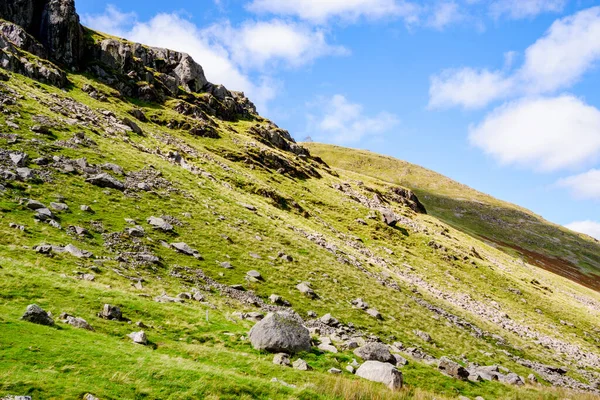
(34, 205)
(37, 315)
(400, 360)
(452, 369)
(275, 299)
(138, 337)
(282, 359)
(382, 372)
(89, 396)
(375, 352)
(43, 249)
(388, 217)
(105, 180)
(254, 275)
(19, 159)
(280, 332)
(350, 369)
(531, 378)
(301, 365)
(329, 348)
(360, 303)
(159, 223)
(134, 127)
(327, 319)
(111, 313)
(423, 335)
(374, 313)
(226, 265)
(76, 252)
(334, 371)
(513, 379)
(25, 173)
(248, 206)
(59, 206)
(185, 249)
(76, 322)
(306, 290)
(198, 296)
(86, 208)
(136, 231)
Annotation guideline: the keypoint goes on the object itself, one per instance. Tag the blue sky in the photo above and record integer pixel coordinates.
(502, 95)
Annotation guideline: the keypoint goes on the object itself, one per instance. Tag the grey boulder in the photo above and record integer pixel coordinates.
(37, 315)
(381, 372)
(105, 180)
(280, 333)
(375, 352)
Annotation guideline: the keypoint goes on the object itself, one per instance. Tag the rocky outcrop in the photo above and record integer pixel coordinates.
(274, 136)
(53, 23)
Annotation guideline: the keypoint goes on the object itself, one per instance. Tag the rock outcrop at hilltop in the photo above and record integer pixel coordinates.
(51, 30)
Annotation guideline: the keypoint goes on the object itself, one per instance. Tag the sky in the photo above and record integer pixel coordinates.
(501, 95)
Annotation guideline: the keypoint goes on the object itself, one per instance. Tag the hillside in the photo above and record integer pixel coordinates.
(128, 180)
(512, 228)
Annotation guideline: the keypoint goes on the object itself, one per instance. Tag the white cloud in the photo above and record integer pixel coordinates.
(445, 13)
(518, 9)
(341, 121)
(591, 228)
(468, 87)
(113, 21)
(235, 57)
(257, 44)
(320, 11)
(568, 49)
(585, 185)
(546, 134)
(559, 59)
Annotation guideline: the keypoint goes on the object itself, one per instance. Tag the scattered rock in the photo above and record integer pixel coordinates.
(254, 276)
(381, 372)
(37, 315)
(159, 223)
(35, 205)
(423, 335)
(334, 371)
(374, 313)
(105, 180)
(306, 290)
(59, 206)
(453, 369)
(138, 337)
(301, 365)
(75, 252)
(111, 313)
(185, 249)
(248, 206)
(282, 359)
(388, 217)
(280, 332)
(76, 322)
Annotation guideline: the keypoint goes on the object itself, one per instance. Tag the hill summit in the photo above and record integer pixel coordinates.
(160, 239)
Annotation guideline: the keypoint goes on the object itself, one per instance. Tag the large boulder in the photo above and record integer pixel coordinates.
(375, 352)
(37, 315)
(280, 333)
(381, 372)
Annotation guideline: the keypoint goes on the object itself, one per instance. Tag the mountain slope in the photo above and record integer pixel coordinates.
(127, 179)
(513, 228)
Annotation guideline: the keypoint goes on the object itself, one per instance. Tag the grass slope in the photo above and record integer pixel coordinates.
(515, 229)
(190, 357)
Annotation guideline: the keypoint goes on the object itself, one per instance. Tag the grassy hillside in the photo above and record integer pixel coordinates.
(516, 230)
(237, 199)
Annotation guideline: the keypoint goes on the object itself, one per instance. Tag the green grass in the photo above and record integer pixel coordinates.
(191, 358)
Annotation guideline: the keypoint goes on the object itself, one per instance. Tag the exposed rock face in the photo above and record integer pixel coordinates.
(54, 23)
(176, 69)
(280, 333)
(381, 372)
